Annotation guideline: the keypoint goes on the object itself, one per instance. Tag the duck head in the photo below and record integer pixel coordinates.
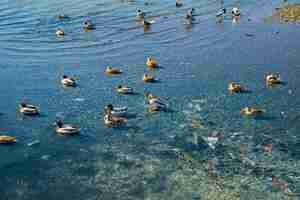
(23, 104)
(59, 123)
(147, 94)
(88, 25)
(140, 13)
(109, 107)
(236, 12)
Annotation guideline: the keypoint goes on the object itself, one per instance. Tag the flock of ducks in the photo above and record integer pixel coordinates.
(114, 116)
(141, 16)
(271, 80)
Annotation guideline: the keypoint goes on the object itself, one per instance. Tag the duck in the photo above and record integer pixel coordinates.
(235, 87)
(221, 12)
(236, 12)
(178, 3)
(28, 109)
(5, 139)
(113, 121)
(68, 81)
(112, 71)
(272, 79)
(148, 78)
(156, 107)
(66, 129)
(153, 99)
(251, 111)
(116, 111)
(147, 23)
(140, 14)
(122, 89)
(152, 62)
(190, 14)
(62, 16)
(60, 32)
(88, 25)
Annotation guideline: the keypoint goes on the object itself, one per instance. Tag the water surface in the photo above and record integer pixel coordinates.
(161, 156)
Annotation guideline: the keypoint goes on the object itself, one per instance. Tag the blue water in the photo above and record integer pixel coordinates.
(140, 160)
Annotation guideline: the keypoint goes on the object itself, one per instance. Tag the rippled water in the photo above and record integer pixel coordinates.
(161, 156)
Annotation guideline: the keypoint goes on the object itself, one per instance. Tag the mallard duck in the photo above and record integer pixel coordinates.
(251, 111)
(235, 12)
(112, 71)
(113, 121)
(272, 79)
(60, 32)
(146, 23)
(178, 3)
(62, 17)
(148, 78)
(154, 100)
(150, 96)
(140, 14)
(68, 81)
(88, 25)
(28, 109)
(122, 89)
(156, 107)
(221, 12)
(190, 14)
(116, 112)
(235, 87)
(5, 139)
(66, 129)
(152, 62)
